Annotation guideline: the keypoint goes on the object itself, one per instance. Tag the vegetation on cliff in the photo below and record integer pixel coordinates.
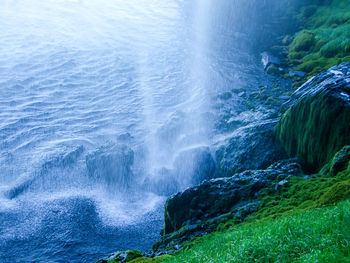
(324, 40)
(317, 122)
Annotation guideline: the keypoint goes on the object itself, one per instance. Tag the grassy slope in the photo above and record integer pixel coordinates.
(319, 235)
(325, 40)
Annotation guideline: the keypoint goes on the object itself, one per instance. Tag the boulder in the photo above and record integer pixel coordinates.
(248, 148)
(111, 164)
(215, 197)
(316, 123)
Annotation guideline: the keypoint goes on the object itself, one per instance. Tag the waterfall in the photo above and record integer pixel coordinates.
(179, 130)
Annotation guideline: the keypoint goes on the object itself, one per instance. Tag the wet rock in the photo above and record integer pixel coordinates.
(169, 133)
(316, 122)
(248, 148)
(194, 165)
(122, 256)
(274, 70)
(296, 73)
(163, 183)
(268, 59)
(219, 196)
(191, 167)
(111, 164)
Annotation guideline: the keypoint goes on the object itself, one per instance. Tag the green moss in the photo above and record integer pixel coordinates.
(295, 56)
(303, 194)
(325, 39)
(331, 49)
(303, 42)
(314, 130)
(336, 193)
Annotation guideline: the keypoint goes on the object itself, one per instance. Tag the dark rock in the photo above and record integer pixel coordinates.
(125, 137)
(111, 164)
(169, 133)
(248, 148)
(130, 255)
(219, 196)
(317, 122)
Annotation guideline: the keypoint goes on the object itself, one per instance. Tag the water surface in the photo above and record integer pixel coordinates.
(76, 76)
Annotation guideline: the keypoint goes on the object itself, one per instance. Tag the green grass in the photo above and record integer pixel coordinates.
(325, 39)
(318, 235)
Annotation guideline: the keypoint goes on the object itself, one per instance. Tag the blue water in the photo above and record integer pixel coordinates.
(78, 77)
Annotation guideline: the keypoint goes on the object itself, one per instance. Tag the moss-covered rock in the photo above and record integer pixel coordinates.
(249, 148)
(340, 161)
(303, 42)
(219, 196)
(317, 122)
(306, 192)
